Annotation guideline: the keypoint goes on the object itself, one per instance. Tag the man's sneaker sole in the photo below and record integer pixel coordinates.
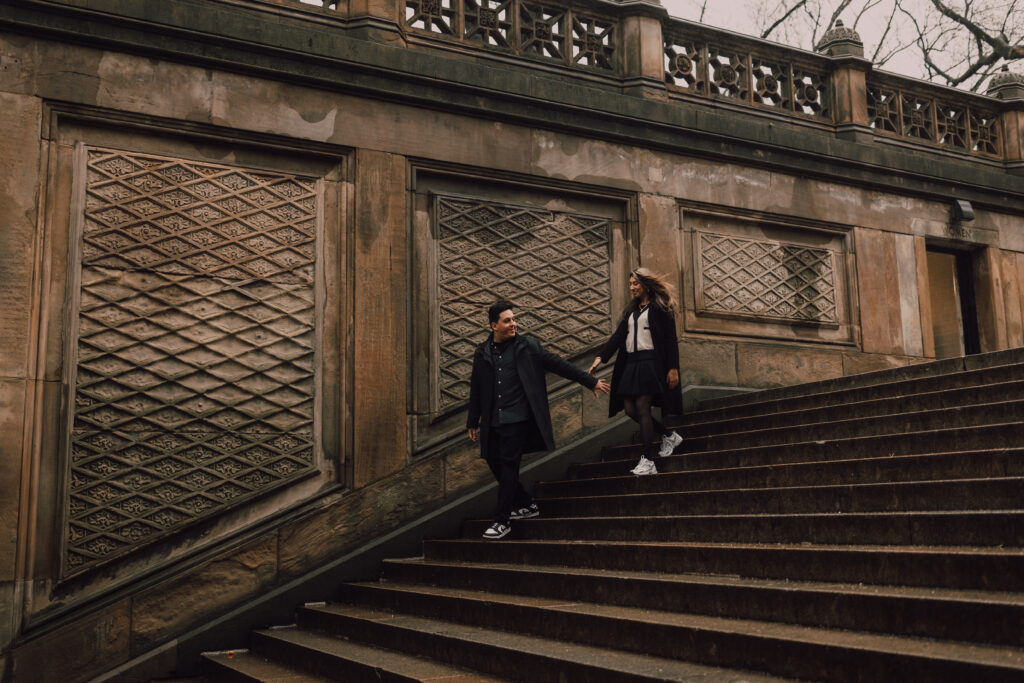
(529, 514)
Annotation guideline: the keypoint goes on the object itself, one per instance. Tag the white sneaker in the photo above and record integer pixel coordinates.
(528, 512)
(496, 531)
(645, 466)
(668, 444)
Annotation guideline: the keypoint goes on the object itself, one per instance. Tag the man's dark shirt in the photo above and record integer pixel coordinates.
(510, 404)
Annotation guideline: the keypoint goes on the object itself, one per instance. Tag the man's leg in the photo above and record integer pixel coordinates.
(506, 452)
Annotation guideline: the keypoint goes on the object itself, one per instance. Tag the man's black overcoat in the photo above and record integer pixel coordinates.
(532, 360)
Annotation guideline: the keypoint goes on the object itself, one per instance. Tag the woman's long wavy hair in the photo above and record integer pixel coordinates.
(659, 292)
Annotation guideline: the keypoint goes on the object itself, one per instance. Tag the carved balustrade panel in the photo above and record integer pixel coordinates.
(810, 93)
(767, 279)
(685, 66)
(985, 136)
(552, 265)
(770, 82)
(593, 41)
(918, 120)
(544, 30)
(730, 74)
(745, 73)
(952, 126)
(194, 359)
(434, 16)
(489, 22)
(884, 109)
(957, 123)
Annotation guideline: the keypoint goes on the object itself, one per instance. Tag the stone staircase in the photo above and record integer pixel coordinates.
(868, 528)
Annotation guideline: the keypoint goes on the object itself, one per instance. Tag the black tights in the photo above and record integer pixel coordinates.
(639, 409)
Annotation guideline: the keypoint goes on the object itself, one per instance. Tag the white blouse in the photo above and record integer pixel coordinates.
(638, 334)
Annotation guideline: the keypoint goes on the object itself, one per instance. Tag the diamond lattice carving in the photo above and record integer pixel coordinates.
(194, 381)
(553, 265)
(767, 279)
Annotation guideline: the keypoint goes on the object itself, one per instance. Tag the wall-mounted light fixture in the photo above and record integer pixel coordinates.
(962, 210)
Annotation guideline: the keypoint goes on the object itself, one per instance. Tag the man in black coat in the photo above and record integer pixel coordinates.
(508, 409)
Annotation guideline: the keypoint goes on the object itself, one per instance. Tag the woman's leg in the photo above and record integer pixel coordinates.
(650, 429)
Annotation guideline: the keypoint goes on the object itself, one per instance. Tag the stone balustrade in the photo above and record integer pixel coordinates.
(834, 86)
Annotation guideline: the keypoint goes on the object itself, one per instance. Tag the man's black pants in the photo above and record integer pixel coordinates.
(505, 444)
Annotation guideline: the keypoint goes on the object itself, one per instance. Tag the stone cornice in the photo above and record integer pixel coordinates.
(285, 45)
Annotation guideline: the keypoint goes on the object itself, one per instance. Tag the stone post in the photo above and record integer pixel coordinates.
(1008, 86)
(643, 48)
(376, 19)
(849, 81)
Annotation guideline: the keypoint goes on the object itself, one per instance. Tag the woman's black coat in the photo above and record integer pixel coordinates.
(532, 360)
(666, 357)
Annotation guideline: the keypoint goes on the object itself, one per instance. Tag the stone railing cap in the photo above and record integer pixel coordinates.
(839, 34)
(1005, 77)
(1006, 85)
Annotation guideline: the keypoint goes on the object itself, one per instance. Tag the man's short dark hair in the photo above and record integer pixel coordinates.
(497, 308)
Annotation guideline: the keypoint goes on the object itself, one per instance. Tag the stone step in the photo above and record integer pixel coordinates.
(242, 666)
(779, 649)
(920, 422)
(962, 568)
(991, 436)
(976, 616)
(1004, 528)
(684, 473)
(878, 407)
(964, 494)
(506, 654)
(951, 367)
(801, 397)
(353, 660)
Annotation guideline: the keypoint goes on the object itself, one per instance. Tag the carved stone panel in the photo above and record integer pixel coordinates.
(194, 365)
(554, 266)
(766, 279)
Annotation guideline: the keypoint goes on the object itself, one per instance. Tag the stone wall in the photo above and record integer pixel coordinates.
(240, 280)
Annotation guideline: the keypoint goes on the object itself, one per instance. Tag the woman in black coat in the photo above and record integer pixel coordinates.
(646, 372)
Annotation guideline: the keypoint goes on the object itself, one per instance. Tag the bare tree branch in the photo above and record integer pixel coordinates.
(997, 43)
(768, 31)
(877, 58)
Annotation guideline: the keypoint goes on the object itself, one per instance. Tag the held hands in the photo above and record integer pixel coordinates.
(673, 378)
(601, 386)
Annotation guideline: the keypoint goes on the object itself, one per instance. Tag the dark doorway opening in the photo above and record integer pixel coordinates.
(954, 308)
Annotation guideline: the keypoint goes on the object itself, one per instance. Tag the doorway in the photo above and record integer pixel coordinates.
(954, 310)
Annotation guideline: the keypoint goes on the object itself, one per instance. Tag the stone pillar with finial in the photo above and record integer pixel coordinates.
(1008, 87)
(849, 81)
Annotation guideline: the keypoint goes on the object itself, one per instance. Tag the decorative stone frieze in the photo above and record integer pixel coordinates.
(194, 368)
(767, 279)
(554, 266)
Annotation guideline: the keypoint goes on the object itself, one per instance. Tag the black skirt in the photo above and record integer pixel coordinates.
(640, 376)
